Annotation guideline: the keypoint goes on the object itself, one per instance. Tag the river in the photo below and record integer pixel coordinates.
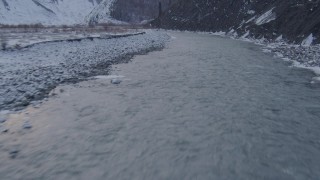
(205, 107)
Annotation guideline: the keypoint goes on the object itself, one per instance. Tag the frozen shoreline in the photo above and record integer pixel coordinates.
(20, 40)
(30, 74)
(301, 56)
(306, 57)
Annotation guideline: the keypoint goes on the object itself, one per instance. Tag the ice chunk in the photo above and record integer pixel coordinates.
(26, 125)
(115, 81)
(219, 33)
(308, 41)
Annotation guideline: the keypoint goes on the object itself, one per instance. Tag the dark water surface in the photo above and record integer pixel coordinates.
(203, 108)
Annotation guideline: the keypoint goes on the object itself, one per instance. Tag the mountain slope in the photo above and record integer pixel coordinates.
(295, 20)
(46, 11)
(102, 13)
(138, 10)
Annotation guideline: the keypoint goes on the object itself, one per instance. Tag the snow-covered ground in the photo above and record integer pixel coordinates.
(29, 74)
(18, 40)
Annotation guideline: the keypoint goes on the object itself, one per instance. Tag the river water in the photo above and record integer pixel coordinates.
(205, 107)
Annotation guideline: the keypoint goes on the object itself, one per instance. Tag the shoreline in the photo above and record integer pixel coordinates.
(306, 57)
(280, 50)
(292, 53)
(72, 39)
(78, 61)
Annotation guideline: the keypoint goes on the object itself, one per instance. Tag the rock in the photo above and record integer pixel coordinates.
(33, 79)
(316, 80)
(14, 153)
(115, 81)
(53, 94)
(26, 125)
(2, 119)
(3, 129)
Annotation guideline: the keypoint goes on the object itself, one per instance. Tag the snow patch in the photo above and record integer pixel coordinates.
(218, 33)
(251, 19)
(308, 41)
(245, 35)
(266, 50)
(278, 39)
(266, 17)
(251, 12)
(316, 70)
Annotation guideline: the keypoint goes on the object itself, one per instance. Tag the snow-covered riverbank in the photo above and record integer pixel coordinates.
(305, 55)
(16, 41)
(29, 74)
(203, 108)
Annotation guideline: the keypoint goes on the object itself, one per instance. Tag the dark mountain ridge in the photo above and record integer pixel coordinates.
(138, 10)
(294, 20)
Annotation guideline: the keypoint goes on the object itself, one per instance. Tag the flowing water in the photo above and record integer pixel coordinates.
(203, 108)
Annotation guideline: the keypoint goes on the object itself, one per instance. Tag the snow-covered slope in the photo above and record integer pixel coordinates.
(51, 11)
(102, 13)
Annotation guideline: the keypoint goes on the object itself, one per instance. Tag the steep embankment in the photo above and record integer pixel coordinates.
(295, 20)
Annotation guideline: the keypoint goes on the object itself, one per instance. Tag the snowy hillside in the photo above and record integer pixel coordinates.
(50, 12)
(102, 13)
